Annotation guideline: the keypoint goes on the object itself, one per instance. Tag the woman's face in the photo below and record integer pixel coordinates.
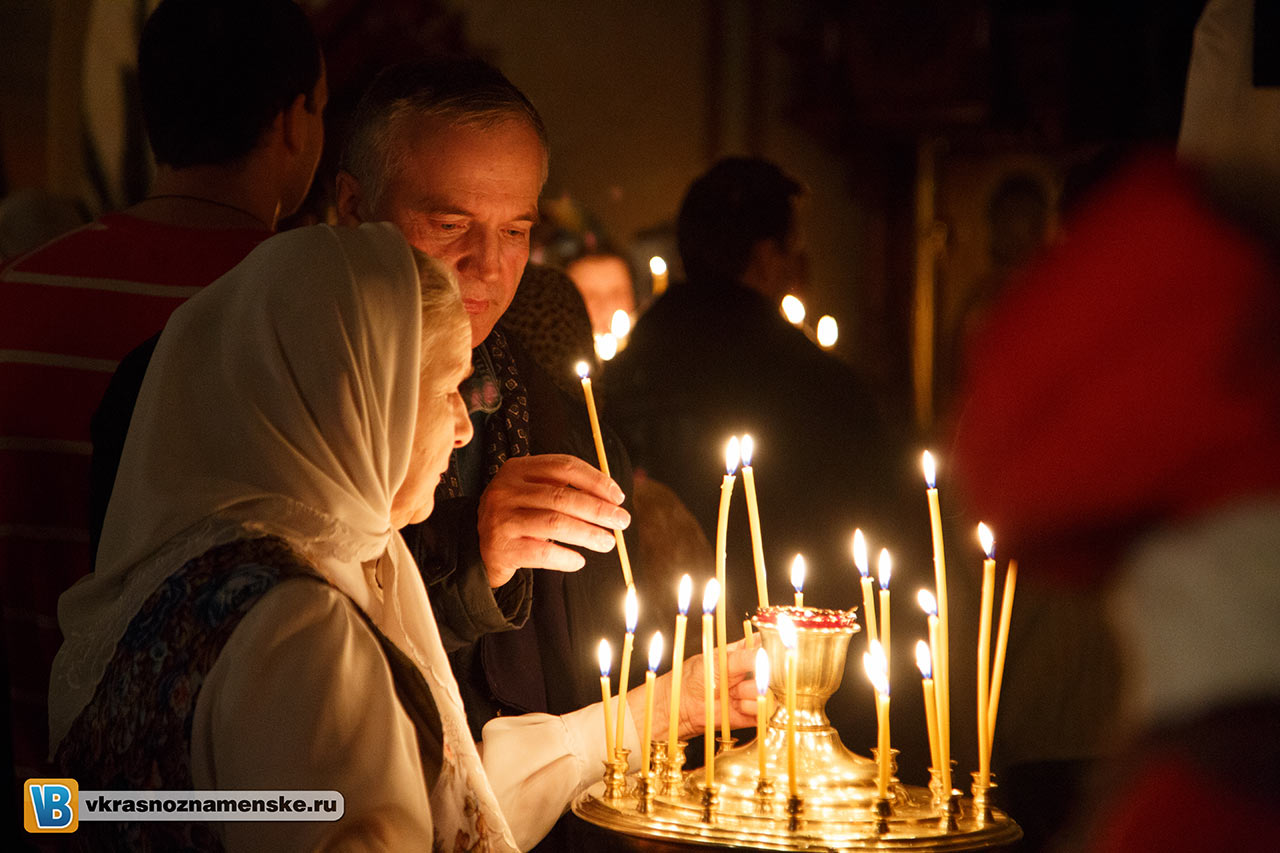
(442, 425)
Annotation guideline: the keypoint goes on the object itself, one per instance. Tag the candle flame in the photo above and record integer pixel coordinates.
(620, 323)
(885, 568)
(793, 310)
(604, 654)
(732, 455)
(798, 566)
(928, 603)
(657, 265)
(924, 659)
(606, 346)
(988, 540)
(584, 369)
(930, 470)
(876, 668)
(748, 447)
(711, 596)
(632, 608)
(686, 592)
(762, 672)
(860, 552)
(655, 651)
(786, 630)
(828, 331)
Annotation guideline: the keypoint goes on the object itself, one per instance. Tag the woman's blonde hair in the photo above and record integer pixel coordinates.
(442, 311)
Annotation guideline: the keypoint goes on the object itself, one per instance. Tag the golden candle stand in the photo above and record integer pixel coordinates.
(837, 804)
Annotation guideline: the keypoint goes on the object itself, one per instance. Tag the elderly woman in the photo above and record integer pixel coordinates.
(255, 620)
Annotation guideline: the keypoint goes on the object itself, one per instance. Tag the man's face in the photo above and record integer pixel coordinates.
(468, 196)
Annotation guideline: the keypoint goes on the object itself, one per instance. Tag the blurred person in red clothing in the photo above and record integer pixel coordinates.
(232, 93)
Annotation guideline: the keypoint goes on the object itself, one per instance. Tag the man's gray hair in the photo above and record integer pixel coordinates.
(464, 91)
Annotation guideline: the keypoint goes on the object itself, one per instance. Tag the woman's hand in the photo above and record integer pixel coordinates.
(693, 715)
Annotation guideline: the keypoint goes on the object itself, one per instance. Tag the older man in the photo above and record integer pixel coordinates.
(455, 155)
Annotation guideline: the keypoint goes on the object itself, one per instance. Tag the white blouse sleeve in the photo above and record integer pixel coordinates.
(537, 764)
(301, 698)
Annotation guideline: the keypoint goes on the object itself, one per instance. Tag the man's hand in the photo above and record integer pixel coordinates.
(535, 502)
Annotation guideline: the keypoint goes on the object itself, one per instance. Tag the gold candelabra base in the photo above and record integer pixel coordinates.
(837, 802)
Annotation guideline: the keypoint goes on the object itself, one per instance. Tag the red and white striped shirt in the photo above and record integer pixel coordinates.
(69, 311)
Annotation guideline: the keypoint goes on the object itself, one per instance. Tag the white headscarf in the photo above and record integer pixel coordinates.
(281, 400)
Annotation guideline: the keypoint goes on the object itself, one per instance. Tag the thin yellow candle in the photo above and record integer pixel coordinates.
(762, 690)
(748, 634)
(604, 654)
(753, 518)
(874, 664)
(787, 633)
(885, 569)
(710, 597)
(942, 670)
(797, 578)
(868, 591)
(1002, 644)
(583, 370)
(924, 660)
(632, 608)
(930, 606)
(655, 658)
(658, 268)
(677, 662)
(987, 540)
(731, 459)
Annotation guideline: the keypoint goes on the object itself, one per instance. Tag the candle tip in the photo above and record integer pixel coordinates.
(930, 470)
(885, 568)
(655, 651)
(657, 265)
(620, 324)
(786, 630)
(732, 456)
(828, 331)
(798, 567)
(987, 539)
(928, 603)
(860, 552)
(924, 659)
(583, 369)
(711, 596)
(875, 665)
(685, 593)
(747, 449)
(632, 609)
(606, 346)
(793, 309)
(762, 672)
(604, 654)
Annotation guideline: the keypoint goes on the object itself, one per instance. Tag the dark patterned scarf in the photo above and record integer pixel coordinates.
(495, 388)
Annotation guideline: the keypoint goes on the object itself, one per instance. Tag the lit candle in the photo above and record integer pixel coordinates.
(658, 268)
(924, 660)
(762, 689)
(929, 605)
(632, 608)
(885, 569)
(620, 324)
(710, 597)
(677, 663)
(655, 658)
(583, 370)
(753, 518)
(874, 663)
(793, 309)
(828, 331)
(868, 593)
(1002, 643)
(604, 654)
(606, 346)
(731, 459)
(987, 540)
(942, 666)
(748, 634)
(797, 578)
(787, 633)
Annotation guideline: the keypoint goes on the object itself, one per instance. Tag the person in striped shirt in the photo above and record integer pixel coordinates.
(233, 93)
